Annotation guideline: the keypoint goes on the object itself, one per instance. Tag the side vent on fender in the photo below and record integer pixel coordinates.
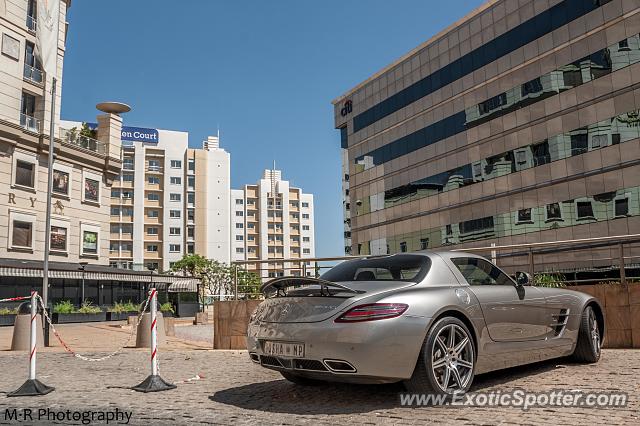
(559, 321)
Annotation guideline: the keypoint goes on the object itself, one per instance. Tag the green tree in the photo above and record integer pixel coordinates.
(248, 284)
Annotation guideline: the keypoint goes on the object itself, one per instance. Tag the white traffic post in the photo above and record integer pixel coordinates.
(32, 386)
(153, 383)
(154, 332)
(33, 347)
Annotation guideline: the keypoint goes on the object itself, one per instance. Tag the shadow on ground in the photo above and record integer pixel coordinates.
(281, 396)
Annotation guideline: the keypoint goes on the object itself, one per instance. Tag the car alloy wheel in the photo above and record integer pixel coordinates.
(594, 332)
(452, 359)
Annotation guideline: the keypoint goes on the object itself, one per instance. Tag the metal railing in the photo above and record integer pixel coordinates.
(30, 123)
(606, 258)
(32, 74)
(73, 137)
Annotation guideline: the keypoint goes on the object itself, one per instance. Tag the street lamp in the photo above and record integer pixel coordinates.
(83, 265)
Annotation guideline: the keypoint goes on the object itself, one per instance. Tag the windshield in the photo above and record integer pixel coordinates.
(399, 267)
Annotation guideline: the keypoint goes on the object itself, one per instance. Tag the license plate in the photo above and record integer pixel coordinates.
(294, 350)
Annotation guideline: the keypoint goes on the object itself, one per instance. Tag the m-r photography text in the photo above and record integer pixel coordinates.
(85, 417)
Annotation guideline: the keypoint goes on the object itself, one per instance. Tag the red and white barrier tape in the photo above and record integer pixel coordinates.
(84, 357)
(15, 299)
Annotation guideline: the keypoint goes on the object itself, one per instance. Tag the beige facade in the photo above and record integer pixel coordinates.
(517, 124)
(273, 220)
(84, 166)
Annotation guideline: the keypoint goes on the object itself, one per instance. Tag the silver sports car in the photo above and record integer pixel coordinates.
(431, 319)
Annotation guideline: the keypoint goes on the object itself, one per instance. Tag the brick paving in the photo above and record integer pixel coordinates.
(236, 391)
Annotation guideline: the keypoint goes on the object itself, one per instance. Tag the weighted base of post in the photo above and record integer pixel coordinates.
(32, 387)
(153, 383)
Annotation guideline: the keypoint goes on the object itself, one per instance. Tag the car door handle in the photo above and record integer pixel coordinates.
(517, 330)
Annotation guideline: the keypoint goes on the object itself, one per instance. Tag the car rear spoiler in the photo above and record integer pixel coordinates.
(280, 283)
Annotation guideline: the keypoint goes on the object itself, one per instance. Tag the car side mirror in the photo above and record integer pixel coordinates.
(523, 278)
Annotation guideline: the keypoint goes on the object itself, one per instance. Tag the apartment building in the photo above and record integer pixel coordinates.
(168, 201)
(84, 167)
(273, 220)
(517, 124)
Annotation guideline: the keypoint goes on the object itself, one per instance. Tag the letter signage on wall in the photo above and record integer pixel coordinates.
(139, 134)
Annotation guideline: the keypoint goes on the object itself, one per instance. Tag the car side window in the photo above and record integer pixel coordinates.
(480, 272)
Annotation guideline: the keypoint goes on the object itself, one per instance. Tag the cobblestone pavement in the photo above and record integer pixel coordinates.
(235, 391)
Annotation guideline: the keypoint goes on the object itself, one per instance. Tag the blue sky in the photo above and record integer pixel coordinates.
(264, 71)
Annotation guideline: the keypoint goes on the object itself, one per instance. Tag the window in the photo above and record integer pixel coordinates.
(305, 205)
(25, 173)
(92, 190)
(623, 45)
(191, 198)
(584, 209)
(306, 239)
(251, 225)
(191, 215)
(153, 180)
(176, 164)
(598, 141)
(174, 214)
(191, 248)
(22, 236)
(115, 211)
(90, 242)
(115, 193)
(295, 227)
(424, 243)
(480, 272)
(403, 247)
(579, 144)
(531, 87)
(305, 227)
(152, 231)
(27, 113)
(152, 213)
(127, 195)
(191, 181)
(622, 207)
(306, 251)
(239, 225)
(239, 213)
(127, 163)
(127, 211)
(239, 201)
(553, 212)
(493, 103)
(58, 238)
(402, 267)
(191, 164)
(127, 177)
(239, 238)
(153, 196)
(524, 216)
(251, 238)
(175, 180)
(152, 247)
(477, 170)
(174, 248)
(175, 196)
(305, 216)
(60, 182)
(239, 250)
(154, 165)
(521, 156)
(174, 231)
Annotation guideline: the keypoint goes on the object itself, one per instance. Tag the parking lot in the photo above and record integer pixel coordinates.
(234, 390)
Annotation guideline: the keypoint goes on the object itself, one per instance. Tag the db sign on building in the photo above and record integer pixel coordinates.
(347, 107)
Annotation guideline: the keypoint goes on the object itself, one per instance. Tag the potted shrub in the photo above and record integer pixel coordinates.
(121, 311)
(167, 310)
(65, 312)
(8, 316)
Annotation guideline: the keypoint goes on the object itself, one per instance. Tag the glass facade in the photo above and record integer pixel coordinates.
(604, 207)
(588, 68)
(528, 31)
(612, 131)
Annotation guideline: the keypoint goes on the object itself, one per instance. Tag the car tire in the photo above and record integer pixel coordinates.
(589, 340)
(298, 380)
(425, 379)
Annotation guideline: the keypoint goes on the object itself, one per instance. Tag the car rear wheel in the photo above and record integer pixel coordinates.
(447, 360)
(589, 340)
(298, 380)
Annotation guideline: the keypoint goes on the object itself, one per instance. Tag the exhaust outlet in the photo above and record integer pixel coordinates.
(339, 366)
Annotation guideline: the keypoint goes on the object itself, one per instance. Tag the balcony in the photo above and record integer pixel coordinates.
(31, 23)
(30, 123)
(73, 137)
(32, 74)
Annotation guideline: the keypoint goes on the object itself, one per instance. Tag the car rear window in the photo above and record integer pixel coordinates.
(399, 267)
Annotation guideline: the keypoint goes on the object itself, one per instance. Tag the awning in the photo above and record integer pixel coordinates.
(184, 285)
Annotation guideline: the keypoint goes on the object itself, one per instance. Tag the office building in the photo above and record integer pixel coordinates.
(517, 124)
(273, 220)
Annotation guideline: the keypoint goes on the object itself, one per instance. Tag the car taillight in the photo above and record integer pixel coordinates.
(373, 312)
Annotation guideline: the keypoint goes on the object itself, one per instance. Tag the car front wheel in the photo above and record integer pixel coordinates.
(446, 363)
(589, 339)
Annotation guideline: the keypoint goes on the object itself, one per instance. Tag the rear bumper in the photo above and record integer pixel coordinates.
(379, 351)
